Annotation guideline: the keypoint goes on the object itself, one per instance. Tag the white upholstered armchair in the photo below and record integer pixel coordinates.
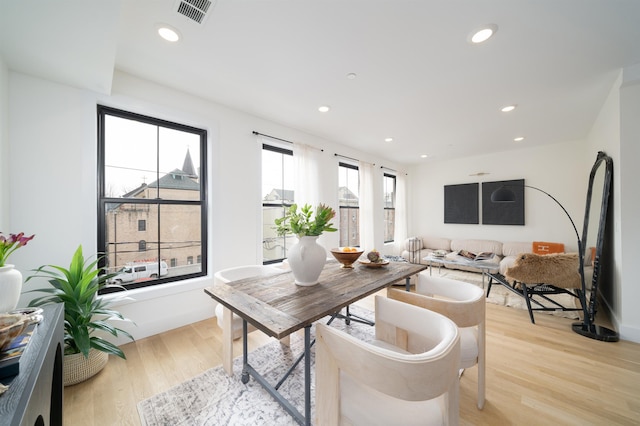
(462, 302)
(407, 376)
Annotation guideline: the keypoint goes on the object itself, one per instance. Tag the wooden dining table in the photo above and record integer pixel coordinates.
(278, 307)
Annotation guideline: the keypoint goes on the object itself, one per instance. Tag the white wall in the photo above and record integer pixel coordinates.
(53, 194)
(558, 169)
(616, 131)
(605, 136)
(628, 176)
(4, 146)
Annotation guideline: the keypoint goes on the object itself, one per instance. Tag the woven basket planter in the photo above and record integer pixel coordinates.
(77, 368)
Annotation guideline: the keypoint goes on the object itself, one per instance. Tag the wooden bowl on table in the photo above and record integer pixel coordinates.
(346, 255)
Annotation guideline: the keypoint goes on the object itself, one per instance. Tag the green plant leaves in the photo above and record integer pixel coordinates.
(302, 224)
(77, 287)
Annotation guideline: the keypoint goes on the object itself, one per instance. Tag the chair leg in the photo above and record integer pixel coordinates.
(481, 364)
(526, 298)
(489, 285)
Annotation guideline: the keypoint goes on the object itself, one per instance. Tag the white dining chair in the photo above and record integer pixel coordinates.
(407, 376)
(462, 302)
(231, 324)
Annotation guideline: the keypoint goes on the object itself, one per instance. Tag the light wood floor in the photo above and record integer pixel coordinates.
(542, 374)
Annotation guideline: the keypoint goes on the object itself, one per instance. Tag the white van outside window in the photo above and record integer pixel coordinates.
(140, 272)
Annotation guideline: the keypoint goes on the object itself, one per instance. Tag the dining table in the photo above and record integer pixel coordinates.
(278, 307)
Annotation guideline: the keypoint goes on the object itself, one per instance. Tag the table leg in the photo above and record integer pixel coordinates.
(227, 341)
(245, 353)
(350, 317)
(307, 375)
(407, 282)
(248, 371)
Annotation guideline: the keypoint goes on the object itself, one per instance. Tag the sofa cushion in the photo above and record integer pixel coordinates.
(514, 248)
(435, 243)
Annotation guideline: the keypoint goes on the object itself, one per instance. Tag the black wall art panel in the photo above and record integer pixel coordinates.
(461, 204)
(511, 213)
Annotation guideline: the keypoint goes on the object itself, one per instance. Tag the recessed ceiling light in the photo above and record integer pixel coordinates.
(168, 33)
(424, 156)
(518, 139)
(483, 34)
(351, 75)
(508, 108)
(388, 139)
(324, 108)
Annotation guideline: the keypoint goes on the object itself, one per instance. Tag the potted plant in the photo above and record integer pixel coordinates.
(10, 277)
(307, 257)
(85, 353)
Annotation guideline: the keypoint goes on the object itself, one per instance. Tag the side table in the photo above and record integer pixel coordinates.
(35, 395)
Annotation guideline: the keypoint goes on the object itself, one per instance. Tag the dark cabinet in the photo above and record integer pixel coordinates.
(35, 395)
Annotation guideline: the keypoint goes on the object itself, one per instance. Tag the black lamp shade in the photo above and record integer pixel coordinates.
(503, 195)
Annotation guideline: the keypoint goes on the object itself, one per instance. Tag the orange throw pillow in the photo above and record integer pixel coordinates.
(542, 247)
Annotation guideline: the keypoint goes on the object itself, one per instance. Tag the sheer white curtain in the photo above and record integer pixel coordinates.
(366, 203)
(401, 228)
(306, 174)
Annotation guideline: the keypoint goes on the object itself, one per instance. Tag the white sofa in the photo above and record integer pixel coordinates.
(417, 248)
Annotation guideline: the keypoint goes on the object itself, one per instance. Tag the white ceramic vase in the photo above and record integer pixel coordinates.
(306, 260)
(10, 287)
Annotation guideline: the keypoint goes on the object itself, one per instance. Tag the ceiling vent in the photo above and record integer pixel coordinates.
(196, 10)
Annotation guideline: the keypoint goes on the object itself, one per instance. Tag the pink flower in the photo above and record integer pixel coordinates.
(11, 244)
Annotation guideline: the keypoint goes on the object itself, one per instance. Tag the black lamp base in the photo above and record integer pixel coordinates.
(596, 332)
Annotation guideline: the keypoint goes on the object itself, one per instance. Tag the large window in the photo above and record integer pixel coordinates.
(277, 190)
(389, 188)
(151, 198)
(348, 184)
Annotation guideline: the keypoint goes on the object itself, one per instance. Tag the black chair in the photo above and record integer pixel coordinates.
(535, 293)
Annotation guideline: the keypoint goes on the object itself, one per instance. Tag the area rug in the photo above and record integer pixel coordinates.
(215, 398)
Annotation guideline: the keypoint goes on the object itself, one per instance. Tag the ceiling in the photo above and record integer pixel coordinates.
(418, 79)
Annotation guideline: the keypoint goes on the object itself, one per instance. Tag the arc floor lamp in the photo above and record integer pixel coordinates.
(586, 327)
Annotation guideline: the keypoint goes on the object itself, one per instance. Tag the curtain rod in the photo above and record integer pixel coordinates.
(395, 171)
(353, 159)
(283, 140)
(344, 156)
(272, 137)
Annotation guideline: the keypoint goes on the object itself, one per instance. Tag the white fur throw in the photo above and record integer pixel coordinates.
(560, 270)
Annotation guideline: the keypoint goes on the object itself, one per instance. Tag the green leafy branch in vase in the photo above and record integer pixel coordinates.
(303, 224)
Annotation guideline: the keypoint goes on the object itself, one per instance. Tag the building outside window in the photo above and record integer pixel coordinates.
(277, 190)
(151, 198)
(389, 192)
(348, 203)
